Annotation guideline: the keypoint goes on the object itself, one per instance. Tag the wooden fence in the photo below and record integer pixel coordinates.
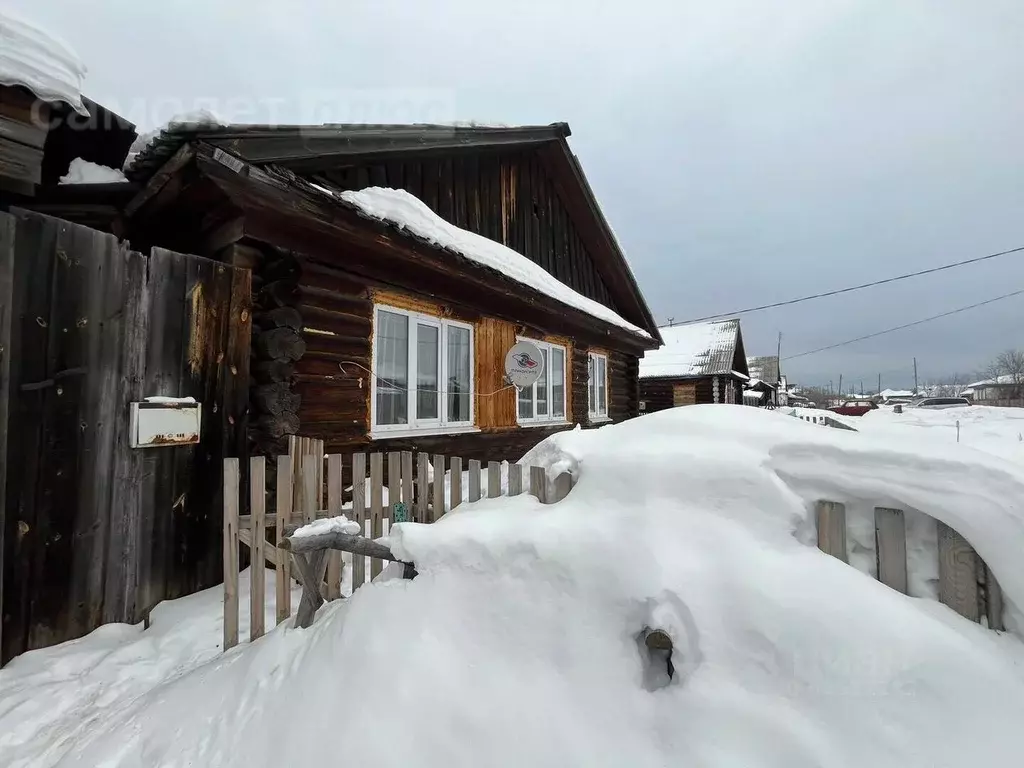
(822, 419)
(92, 530)
(405, 479)
(966, 583)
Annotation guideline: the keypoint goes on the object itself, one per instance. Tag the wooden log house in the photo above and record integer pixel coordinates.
(353, 313)
(700, 363)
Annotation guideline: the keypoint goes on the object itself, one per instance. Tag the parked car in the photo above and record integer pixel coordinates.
(854, 407)
(939, 403)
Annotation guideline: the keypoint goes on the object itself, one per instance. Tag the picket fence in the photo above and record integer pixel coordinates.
(966, 583)
(301, 484)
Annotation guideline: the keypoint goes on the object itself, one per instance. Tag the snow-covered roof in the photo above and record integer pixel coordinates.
(764, 367)
(34, 59)
(887, 393)
(83, 172)
(1005, 379)
(407, 212)
(699, 349)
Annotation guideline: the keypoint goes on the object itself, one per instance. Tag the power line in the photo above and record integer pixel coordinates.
(854, 287)
(908, 325)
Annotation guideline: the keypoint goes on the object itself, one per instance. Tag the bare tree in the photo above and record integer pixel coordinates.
(1008, 368)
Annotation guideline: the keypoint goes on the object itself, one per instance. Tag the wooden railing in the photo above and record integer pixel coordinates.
(419, 488)
(966, 583)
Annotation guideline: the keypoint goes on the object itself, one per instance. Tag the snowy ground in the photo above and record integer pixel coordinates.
(516, 643)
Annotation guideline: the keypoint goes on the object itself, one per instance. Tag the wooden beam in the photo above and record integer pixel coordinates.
(178, 160)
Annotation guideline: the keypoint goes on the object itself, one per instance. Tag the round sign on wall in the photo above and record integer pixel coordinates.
(523, 364)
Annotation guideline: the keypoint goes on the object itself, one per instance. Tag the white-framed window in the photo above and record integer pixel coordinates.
(545, 400)
(597, 386)
(422, 372)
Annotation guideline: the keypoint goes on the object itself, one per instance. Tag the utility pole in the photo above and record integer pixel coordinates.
(915, 375)
(840, 386)
(862, 386)
(879, 383)
(670, 321)
(778, 350)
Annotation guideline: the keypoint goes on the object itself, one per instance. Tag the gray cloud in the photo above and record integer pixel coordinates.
(744, 151)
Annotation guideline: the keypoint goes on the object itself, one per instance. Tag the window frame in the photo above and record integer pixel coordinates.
(547, 419)
(414, 424)
(592, 363)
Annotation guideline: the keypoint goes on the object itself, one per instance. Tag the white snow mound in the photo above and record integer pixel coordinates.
(33, 59)
(84, 172)
(515, 645)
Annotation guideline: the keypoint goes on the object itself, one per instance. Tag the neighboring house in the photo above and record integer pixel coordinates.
(1003, 391)
(699, 363)
(383, 317)
(765, 382)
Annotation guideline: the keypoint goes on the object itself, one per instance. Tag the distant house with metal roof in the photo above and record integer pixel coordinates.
(764, 387)
(1005, 391)
(698, 363)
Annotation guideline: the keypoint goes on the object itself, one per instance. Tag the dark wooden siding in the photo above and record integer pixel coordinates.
(658, 393)
(507, 197)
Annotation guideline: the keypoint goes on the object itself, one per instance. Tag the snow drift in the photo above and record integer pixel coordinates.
(516, 644)
(34, 59)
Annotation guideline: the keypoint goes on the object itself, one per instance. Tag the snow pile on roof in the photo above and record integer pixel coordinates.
(887, 393)
(338, 524)
(516, 644)
(1006, 378)
(33, 59)
(84, 172)
(403, 210)
(698, 349)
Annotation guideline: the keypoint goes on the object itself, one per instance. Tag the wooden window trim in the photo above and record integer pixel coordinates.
(597, 416)
(547, 420)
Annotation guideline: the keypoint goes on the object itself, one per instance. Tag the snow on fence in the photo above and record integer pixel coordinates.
(822, 419)
(417, 490)
(966, 583)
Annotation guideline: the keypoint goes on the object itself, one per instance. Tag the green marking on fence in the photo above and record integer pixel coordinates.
(399, 512)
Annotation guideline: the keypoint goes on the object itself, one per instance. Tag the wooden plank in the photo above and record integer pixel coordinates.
(6, 300)
(456, 482)
(993, 601)
(376, 506)
(493, 479)
(394, 487)
(831, 521)
(437, 508)
(334, 503)
(474, 480)
(359, 514)
(958, 574)
(284, 517)
(309, 506)
(407, 486)
(563, 484)
(539, 484)
(891, 547)
(515, 479)
(258, 567)
(231, 490)
(423, 487)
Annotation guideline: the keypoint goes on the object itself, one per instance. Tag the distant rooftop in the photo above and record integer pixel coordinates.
(690, 351)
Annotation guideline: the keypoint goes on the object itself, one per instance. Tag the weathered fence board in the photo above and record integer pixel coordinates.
(539, 483)
(993, 600)
(376, 505)
(456, 482)
(437, 507)
(493, 479)
(422, 486)
(891, 547)
(284, 514)
(258, 574)
(105, 531)
(831, 519)
(515, 479)
(231, 492)
(474, 480)
(334, 495)
(958, 573)
(6, 297)
(359, 514)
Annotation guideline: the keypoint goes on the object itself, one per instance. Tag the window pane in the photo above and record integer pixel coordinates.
(525, 403)
(602, 386)
(427, 357)
(542, 386)
(592, 384)
(459, 382)
(392, 374)
(558, 383)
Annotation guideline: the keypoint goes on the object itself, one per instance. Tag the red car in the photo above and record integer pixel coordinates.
(854, 408)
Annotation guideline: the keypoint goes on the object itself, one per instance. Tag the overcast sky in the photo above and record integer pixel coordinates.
(745, 151)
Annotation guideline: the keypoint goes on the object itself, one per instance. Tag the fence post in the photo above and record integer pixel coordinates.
(539, 484)
(515, 479)
(258, 565)
(994, 600)
(423, 486)
(284, 517)
(359, 515)
(231, 485)
(334, 491)
(438, 509)
(474, 480)
(831, 519)
(376, 505)
(493, 479)
(407, 485)
(456, 482)
(891, 547)
(958, 573)
(563, 484)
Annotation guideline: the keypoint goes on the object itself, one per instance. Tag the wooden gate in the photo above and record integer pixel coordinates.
(94, 530)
